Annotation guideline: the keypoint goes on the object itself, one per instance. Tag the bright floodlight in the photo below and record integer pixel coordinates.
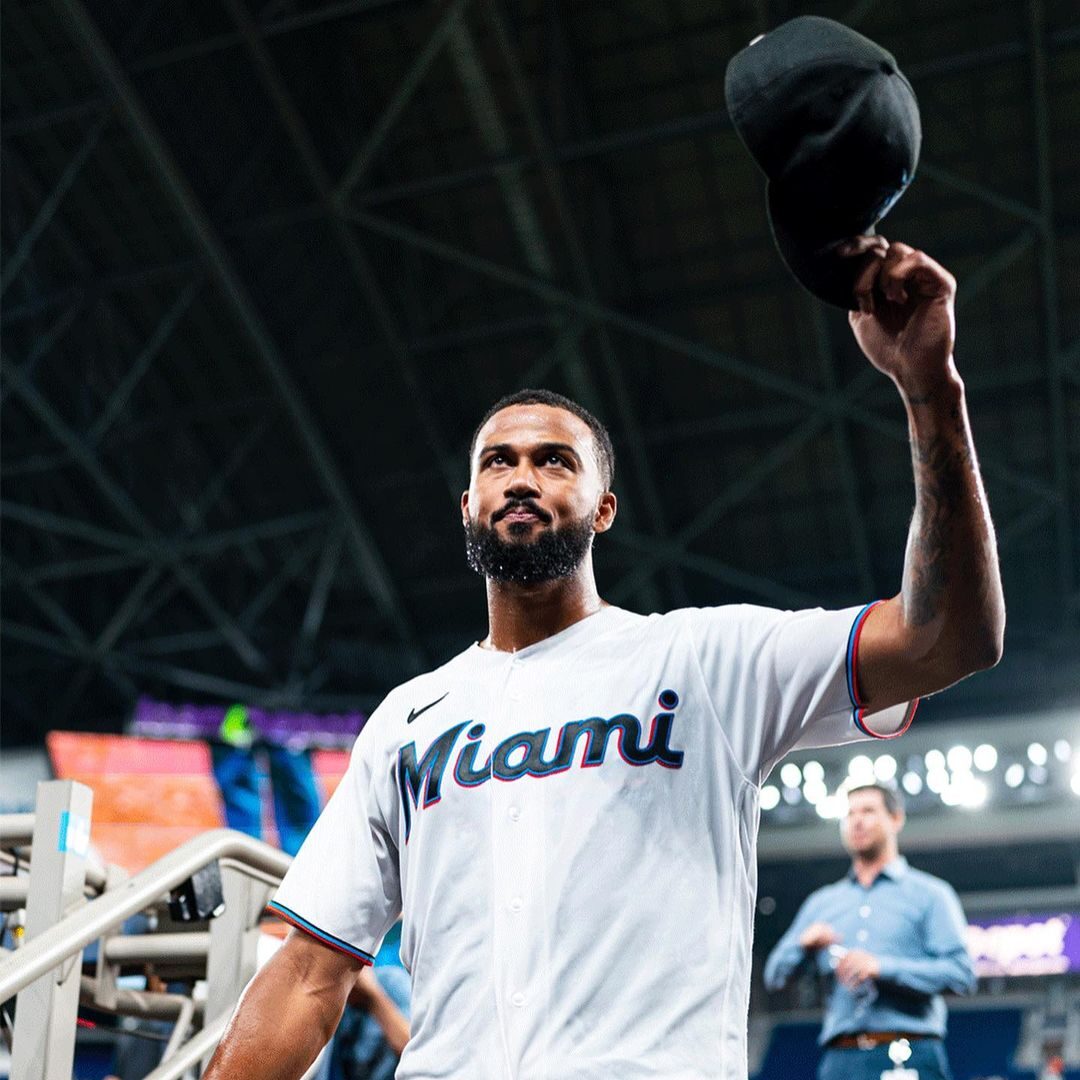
(959, 759)
(1037, 774)
(885, 767)
(1014, 775)
(985, 757)
(1037, 754)
(951, 795)
(1075, 783)
(831, 807)
(934, 759)
(972, 792)
(861, 768)
(1062, 750)
(770, 797)
(791, 775)
(937, 780)
(912, 783)
(814, 791)
(813, 770)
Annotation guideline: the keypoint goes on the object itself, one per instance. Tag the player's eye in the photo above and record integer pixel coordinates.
(556, 459)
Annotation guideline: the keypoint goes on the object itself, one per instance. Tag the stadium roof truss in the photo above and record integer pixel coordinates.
(264, 264)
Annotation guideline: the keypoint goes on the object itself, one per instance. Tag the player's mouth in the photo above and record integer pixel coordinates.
(521, 512)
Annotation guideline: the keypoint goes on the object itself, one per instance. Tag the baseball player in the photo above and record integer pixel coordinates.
(565, 814)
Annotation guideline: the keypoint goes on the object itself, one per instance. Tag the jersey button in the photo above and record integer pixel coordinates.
(517, 1000)
(517, 904)
(514, 813)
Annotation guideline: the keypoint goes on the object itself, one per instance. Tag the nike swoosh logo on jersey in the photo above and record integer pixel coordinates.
(414, 713)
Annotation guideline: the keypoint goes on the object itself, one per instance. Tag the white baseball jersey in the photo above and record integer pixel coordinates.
(568, 833)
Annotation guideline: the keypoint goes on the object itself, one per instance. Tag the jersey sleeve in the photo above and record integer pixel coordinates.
(781, 680)
(343, 886)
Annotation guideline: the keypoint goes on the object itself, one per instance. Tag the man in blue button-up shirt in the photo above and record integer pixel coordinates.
(891, 939)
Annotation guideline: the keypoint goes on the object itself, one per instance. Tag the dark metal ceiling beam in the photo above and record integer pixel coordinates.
(364, 277)
(1051, 310)
(725, 500)
(365, 156)
(43, 345)
(119, 665)
(75, 639)
(133, 604)
(582, 273)
(768, 588)
(30, 237)
(844, 403)
(135, 117)
(141, 364)
(314, 614)
(526, 224)
(857, 526)
(126, 508)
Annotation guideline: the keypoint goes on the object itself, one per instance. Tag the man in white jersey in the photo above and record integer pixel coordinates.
(565, 814)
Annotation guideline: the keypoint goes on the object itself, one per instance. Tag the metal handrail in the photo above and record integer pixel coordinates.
(193, 1051)
(46, 951)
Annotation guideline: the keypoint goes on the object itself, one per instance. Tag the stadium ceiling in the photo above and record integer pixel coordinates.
(265, 262)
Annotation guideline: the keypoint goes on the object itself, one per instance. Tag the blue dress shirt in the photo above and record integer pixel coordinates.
(913, 923)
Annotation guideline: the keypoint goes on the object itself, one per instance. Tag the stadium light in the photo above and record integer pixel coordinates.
(813, 770)
(912, 783)
(972, 792)
(937, 780)
(861, 769)
(885, 767)
(1014, 775)
(814, 791)
(791, 775)
(770, 797)
(1036, 753)
(1062, 750)
(1075, 783)
(1037, 774)
(985, 758)
(959, 759)
(934, 760)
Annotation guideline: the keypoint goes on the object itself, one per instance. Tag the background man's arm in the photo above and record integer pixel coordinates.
(949, 619)
(805, 935)
(287, 1013)
(368, 995)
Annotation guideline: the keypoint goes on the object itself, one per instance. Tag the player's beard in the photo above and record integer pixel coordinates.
(554, 554)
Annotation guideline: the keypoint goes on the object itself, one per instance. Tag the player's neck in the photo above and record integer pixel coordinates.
(867, 868)
(520, 615)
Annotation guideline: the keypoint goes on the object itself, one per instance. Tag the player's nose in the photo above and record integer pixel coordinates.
(521, 483)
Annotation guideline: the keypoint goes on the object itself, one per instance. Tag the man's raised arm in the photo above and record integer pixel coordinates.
(949, 619)
(287, 1013)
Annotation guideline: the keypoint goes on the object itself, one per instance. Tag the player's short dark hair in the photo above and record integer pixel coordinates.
(891, 795)
(605, 452)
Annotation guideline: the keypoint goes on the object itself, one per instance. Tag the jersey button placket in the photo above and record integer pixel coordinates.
(514, 846)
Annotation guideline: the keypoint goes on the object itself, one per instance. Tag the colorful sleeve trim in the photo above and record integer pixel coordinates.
(858, 710)
(327, 939)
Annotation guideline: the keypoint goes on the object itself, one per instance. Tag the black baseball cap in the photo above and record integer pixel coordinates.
(834, 125)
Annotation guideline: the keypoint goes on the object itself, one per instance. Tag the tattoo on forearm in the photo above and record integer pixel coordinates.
(942, 480)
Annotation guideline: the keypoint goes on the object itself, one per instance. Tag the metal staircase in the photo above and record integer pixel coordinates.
(204, 902)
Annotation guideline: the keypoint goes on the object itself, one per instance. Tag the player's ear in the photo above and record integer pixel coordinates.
(605, 512)
(465, 507)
